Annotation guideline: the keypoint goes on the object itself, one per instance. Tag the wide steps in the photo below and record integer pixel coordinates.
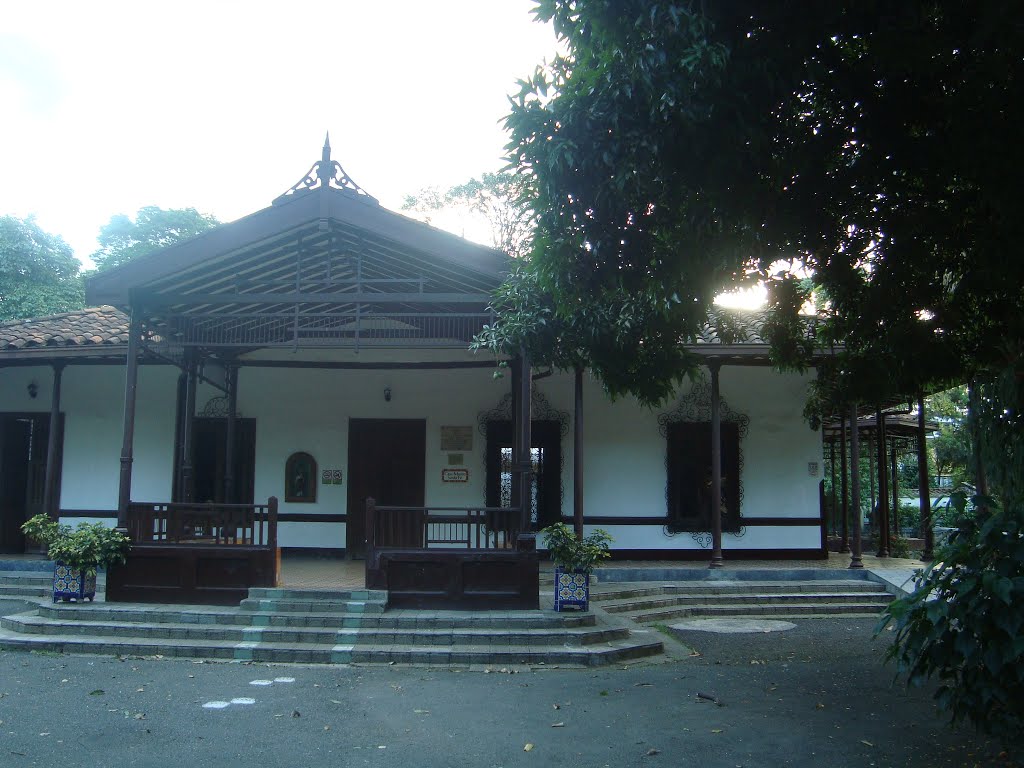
(660, 602)
(492, 653)
(395, 619)
(345, 636)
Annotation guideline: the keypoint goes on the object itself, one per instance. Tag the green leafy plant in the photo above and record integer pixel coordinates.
(86, 548)
(574, 554)
(899, 546)
(964, 623)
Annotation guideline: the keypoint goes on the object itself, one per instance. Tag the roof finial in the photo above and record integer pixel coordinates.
(327, 148)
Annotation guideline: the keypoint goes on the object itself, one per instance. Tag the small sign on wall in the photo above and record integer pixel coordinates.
(812, 468)
(331, 477)
(453, 475)
(456, 438)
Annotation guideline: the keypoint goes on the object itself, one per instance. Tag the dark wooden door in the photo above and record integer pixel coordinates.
(546, 480)
(386, 460)
(23, 445)
(210, 439)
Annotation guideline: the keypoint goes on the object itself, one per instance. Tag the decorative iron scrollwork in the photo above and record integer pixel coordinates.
(217, 408)
(326, 173)
(540, 410)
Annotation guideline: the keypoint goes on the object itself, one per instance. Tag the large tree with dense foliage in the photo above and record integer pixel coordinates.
(123, 238)
(677, 147)
(39, 274)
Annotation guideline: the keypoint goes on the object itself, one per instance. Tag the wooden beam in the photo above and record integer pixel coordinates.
(303, 297)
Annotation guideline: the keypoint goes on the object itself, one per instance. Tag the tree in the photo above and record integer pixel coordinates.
(677, 147)
(123, 239)
(502, 198)
(39, 274)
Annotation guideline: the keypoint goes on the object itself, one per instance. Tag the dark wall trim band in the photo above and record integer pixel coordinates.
(727, 554)
(309, 517)
(748, 522)
(104, 514)
(388, 366)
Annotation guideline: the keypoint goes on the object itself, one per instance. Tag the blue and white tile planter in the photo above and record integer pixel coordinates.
(572, 588)
(72, 583)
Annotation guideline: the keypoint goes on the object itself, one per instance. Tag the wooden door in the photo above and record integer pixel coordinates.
(386, 460)
(23, 444)
(546, 480)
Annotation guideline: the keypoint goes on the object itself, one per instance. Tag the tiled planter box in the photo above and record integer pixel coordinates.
(72, 584)
(572, 588)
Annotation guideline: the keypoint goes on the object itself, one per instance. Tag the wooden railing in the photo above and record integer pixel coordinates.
(482, 528)
(204, 524)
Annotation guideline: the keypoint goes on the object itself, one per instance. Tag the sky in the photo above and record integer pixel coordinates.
(222, 105)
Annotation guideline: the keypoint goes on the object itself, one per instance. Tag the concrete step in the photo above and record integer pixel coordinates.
(495, 653)
(394, 619)
(282, 593)
(825, 600)
(35, 593)
(621, 590)
(26, 577)
(795, 610)
(420, 635)
(294, 605)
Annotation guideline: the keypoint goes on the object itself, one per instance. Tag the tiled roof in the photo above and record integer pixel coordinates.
(93, 327)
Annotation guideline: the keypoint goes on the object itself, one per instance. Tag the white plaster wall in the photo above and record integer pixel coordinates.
(309, 410)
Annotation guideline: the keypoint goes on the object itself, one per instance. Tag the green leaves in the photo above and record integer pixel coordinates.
(576, 554)
(39, 274)
(87, 547)
(123, 239)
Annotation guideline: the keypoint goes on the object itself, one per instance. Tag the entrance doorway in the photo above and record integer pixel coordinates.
(386, 460)
(209, 445)
(24, 438)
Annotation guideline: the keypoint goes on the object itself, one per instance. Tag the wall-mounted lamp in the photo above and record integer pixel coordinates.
(33, 389)
(387, 394)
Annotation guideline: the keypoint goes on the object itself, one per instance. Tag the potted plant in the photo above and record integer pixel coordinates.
(574, 560)
(77, 553)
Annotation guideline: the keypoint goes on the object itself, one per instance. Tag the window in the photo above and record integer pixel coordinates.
(546, 481)
(688, 462)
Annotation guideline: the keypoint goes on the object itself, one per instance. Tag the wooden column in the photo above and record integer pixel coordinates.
(516, 367)
(50, 495)
(229, 446)
(894, 461)
(716, 467)
(577, 454)
(844, 545)
(525, 440)
(924, 502)
(124, 491)
(180, 390)
(187, 474)
(855, 551)
(833, 508)
(882, 519)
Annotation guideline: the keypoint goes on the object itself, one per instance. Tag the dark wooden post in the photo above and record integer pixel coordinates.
(894, 460)
(833, 508)
(577, 454)
(924, 502)
(229, 447)
(50, 480)
(525, 441)
(716, 467)
(370, 541)
(882, 520)
(855, 552)
(516, 367)
(272, 522)
(844, 545)
(187, 474)
(124, 491)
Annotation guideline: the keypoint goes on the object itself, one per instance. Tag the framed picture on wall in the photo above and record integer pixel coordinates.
(300, 479)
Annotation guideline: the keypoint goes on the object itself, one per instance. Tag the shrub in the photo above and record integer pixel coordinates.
(575, 554)
(87, 547)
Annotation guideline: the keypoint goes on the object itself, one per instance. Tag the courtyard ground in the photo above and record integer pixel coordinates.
(816, 695)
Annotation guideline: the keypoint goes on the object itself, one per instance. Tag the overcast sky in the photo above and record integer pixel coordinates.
(111, 106)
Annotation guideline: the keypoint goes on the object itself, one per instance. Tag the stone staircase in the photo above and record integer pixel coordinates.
(29, 584)
(330, 627)
(647, 603)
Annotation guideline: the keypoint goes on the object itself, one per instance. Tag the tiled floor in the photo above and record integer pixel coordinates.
(328, 573)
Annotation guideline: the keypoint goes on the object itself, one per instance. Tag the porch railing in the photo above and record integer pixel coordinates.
(485, 528)
(204, 524)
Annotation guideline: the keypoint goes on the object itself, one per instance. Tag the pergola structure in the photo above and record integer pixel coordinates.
(889, 431)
